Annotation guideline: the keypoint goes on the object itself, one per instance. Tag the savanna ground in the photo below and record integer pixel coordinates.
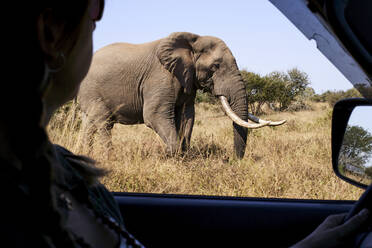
(289, 161)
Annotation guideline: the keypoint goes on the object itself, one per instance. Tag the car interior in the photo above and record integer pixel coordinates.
(167, 220)
(161, 220)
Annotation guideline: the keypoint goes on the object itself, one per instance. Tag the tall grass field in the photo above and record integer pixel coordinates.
(288, 161)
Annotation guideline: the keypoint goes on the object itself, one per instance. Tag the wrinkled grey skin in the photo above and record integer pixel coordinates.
(155, 83)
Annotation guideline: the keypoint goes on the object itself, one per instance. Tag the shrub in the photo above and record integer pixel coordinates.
(258, 91)
(356, 147)
(287, 87)
(277, 89)
(331, 97)
(299, 106)
(204, 97)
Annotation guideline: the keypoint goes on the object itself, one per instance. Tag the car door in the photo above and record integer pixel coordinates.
(197, 221)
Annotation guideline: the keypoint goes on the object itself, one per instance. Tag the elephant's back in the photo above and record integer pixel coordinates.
(124, 52)
(115, 75)
(120, 59)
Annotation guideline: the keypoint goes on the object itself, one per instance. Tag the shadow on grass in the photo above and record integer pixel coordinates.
(156, 151)
(204, 150)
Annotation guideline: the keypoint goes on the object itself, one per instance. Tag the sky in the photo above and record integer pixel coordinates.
(260, 37)
(361, 116)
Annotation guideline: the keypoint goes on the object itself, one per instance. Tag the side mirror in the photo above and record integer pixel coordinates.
(352, 141)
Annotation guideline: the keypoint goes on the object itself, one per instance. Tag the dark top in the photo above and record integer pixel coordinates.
(22, 221)
(96, 197)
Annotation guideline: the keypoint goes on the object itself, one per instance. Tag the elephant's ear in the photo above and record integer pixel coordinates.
(176, 55)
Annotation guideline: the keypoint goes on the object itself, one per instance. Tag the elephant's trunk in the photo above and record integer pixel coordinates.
(234, 101)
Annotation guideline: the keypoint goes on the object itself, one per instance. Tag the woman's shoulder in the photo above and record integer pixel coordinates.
(63, 154)
(82, 166)
(81, 172)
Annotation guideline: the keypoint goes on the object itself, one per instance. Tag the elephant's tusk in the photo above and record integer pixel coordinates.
(277, 123)
(260, 121)
(230, 113)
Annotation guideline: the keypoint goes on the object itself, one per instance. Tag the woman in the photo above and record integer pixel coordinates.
(52, 198)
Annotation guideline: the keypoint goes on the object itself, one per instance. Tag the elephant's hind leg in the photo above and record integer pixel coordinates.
(98, 125)
(88, 131)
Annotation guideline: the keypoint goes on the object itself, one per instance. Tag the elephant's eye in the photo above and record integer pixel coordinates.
(214, 67)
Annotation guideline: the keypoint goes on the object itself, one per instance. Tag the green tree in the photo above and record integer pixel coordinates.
(288, 86)
(308, 93)
(298, 81)
(257, 91)
(356, 147)
(276, 88)
(206, 97)
(334, 96)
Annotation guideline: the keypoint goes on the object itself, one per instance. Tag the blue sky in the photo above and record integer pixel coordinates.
(260, 37)
(361, 116)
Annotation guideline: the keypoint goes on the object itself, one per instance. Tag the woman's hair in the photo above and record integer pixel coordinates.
(21, 109)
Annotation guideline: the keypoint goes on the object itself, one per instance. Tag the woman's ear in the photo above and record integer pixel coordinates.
(49, 34)
(176, 54)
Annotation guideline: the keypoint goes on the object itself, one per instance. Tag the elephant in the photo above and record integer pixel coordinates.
(155, 83)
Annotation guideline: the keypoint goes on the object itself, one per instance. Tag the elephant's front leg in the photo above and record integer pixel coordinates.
(185, 123)
(160, 117)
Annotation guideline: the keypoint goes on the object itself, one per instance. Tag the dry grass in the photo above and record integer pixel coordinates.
(290, 161)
